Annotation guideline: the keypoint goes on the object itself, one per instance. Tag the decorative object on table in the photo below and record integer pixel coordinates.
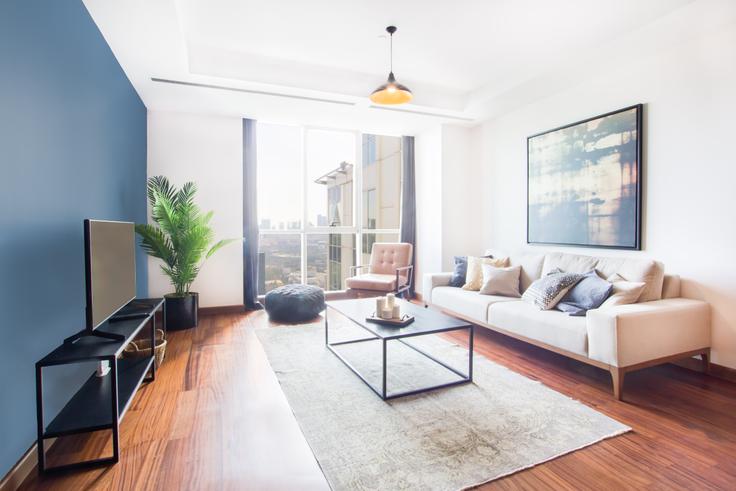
(388, 312)
(584, 182)
(392, 92)
(474, 277)
(183, 239)
(389, 270)
(294, 303)
(141, 348)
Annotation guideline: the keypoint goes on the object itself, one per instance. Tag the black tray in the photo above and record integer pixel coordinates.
(405, 320)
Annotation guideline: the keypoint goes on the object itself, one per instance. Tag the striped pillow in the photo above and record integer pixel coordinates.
(547, 291)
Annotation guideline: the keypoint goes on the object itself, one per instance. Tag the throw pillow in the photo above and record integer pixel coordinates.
(461, 270)
(588, 293)
(501, 281)
(474, 276)
(624, 292)
(545, 292)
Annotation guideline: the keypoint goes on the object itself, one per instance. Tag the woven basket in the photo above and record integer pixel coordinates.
(142, 347)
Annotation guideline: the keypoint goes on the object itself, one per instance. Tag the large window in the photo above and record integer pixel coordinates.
(324, 198)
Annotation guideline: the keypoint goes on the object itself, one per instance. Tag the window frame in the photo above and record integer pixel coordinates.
(357, 229)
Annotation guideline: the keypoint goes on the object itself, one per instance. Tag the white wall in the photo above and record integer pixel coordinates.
(448, 198)
(689, 92)
(208, 151)
(461, 196)
(428, 169)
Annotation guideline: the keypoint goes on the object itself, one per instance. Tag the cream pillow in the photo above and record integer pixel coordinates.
(474, 276)
(624, 292)
(501, 281)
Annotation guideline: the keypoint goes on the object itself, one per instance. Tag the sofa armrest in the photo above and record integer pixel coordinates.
(626, 335)
(432, 281)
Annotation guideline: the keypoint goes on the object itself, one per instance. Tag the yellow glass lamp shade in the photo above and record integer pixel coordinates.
(391, 92)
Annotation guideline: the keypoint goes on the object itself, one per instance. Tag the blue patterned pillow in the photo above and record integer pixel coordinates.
(545, 292)
(461, 269)
(589, 293)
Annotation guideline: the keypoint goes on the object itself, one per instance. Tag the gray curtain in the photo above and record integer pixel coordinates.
(250, 217)
(408, 200)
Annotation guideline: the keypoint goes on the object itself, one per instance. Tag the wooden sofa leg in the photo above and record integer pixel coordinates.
(617, 377)
(705, 356)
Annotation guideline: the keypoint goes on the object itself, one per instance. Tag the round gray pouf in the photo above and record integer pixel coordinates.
(294, 303)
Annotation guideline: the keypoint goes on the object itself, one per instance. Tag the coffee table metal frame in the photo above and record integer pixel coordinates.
(382, 391)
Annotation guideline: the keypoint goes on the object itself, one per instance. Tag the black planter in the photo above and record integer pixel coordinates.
(181, 312)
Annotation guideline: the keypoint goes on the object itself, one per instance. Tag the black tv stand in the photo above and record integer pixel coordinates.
(101, 402)
(100, 334)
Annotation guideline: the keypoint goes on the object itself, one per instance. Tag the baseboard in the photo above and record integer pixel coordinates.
(718, 371)
(221, 310)
(21, 470)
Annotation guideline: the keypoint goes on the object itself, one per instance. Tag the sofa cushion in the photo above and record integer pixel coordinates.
(548, 290)
(634, 269)
(531, 266)
(460, 271)
(671, 286)
(548, 326)
(474, 277)
(501, 281)
(631, 269)
(569, 263)
(624, 292)
(374, 282)
(469, 304)
(589, 293)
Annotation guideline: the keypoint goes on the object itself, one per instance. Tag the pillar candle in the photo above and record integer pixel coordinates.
(390, 301)
(396, 313)
(379, 306)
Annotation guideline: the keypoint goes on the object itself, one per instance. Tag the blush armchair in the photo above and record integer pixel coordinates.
(390, 269)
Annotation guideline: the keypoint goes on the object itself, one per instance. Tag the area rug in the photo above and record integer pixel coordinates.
(449, 439)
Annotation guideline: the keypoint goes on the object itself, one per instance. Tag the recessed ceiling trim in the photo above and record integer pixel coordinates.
(251, 91)
(422, 113)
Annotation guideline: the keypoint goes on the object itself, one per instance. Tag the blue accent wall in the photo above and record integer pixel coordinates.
(72, 146)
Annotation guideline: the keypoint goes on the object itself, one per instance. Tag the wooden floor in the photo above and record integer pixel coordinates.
(215, 418)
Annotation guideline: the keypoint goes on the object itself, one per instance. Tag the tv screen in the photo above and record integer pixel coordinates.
(110, 268)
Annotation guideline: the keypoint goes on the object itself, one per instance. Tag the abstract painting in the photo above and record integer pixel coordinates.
(584, 182)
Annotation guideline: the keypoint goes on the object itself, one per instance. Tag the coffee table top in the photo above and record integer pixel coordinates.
(426, 321)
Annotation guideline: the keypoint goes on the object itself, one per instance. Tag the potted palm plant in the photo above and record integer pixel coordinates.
(183, 239)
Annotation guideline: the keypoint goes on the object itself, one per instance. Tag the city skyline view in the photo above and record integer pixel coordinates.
(321, 164)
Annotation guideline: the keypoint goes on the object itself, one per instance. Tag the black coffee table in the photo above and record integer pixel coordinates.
(426, 322)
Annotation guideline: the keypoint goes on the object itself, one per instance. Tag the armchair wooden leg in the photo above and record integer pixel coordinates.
(617, 377)
(705, 357)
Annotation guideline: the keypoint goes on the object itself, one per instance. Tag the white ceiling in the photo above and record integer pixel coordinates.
(465, 60)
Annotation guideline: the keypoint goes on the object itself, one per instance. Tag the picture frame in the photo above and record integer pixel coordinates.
(584, 182)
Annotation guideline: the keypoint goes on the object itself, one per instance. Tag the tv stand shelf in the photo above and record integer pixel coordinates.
(101, 402)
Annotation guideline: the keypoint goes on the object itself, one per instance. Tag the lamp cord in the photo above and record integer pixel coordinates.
(391, 49)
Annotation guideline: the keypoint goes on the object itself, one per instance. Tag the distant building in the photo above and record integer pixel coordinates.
(381, 198)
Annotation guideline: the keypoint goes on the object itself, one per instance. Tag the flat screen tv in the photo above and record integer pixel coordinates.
(109, 252)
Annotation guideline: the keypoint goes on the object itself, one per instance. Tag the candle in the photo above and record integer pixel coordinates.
(396, 313)
(390, 300)
(379, 306)
(386, 313)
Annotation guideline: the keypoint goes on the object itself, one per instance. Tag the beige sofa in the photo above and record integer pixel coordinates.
(661, 327)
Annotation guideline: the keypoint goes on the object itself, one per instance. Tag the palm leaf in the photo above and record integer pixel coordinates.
(182, 236)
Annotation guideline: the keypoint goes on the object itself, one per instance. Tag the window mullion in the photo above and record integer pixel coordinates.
(305, 212)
